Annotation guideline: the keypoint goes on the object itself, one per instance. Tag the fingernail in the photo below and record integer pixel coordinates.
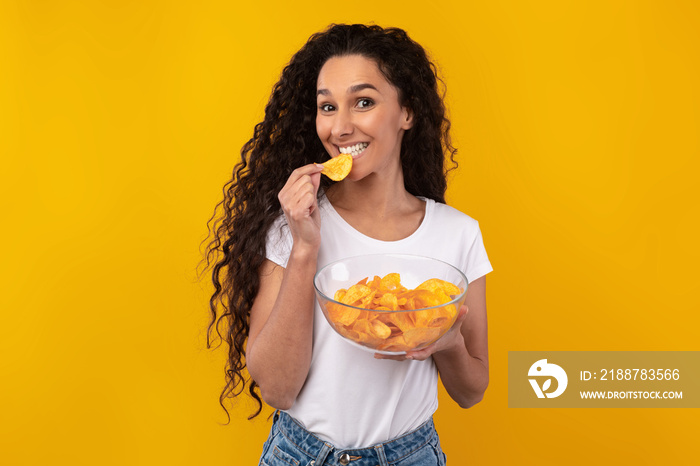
(318, 165)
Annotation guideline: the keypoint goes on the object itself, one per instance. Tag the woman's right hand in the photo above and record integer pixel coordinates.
(300, 206)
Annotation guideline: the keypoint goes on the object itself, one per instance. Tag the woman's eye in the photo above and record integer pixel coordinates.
(326, 108)
(365, 103)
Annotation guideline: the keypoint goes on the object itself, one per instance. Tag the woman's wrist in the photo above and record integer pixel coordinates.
(304, 254)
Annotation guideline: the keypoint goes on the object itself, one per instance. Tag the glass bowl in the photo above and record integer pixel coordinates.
(391, 329)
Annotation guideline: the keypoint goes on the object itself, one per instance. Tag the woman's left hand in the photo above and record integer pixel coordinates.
(452, 338)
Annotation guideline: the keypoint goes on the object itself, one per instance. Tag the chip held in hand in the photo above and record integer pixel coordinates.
(337, 168)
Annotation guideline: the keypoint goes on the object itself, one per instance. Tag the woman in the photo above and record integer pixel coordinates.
(371, 92)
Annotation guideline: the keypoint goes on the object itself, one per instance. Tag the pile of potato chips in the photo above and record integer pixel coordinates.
(394, 331)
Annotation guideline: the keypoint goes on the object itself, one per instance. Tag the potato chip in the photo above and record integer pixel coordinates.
(389, 301)
(402, 320)
(342, 315)
(337, 168)
(395, 331)
(390, 283)
(338, 296)
(367, 339)
(380, 329)
(362, 326)
(425, 298)
(397, 344)
(348, 333)
(409, 304)
(442, 315)
(355, 293)
(435, 284)
(422, 318)
(420, 336)
(370, 333)
(366, 302)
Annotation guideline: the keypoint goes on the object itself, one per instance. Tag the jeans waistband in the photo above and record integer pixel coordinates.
(382, 453)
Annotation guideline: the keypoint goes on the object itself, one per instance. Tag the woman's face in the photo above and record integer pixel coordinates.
(359, 113)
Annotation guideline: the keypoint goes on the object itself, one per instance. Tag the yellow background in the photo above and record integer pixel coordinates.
(120, 121)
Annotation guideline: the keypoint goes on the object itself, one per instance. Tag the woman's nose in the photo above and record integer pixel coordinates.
(342, 124)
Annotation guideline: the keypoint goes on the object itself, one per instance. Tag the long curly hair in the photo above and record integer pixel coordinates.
(285, 140)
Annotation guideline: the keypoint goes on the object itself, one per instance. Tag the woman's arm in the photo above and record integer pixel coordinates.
(278, 352)
(464, 365)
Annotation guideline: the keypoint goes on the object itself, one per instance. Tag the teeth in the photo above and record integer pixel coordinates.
(354, 150)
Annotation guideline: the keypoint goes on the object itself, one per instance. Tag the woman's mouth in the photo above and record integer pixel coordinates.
(354, 150)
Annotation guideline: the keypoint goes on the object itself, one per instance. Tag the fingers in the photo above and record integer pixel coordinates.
(307, 174)
(298, 196)
(298, 199)
(306, 170)
(461, 316)
(421, 355)
(395, 357)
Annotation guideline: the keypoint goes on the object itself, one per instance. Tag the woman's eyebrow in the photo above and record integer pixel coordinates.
(351, 89)
(360, 87)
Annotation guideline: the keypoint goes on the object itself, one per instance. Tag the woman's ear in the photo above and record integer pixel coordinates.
(407, 118)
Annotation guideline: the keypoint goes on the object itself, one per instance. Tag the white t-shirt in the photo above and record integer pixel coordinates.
(351, 399)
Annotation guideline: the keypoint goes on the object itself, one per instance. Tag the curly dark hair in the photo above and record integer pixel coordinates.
(285, 140)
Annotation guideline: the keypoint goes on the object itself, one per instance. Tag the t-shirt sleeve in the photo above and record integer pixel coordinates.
(278, 245)
(478, 263)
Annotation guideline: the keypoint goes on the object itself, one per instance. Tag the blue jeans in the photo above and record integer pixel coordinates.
(289, 444)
